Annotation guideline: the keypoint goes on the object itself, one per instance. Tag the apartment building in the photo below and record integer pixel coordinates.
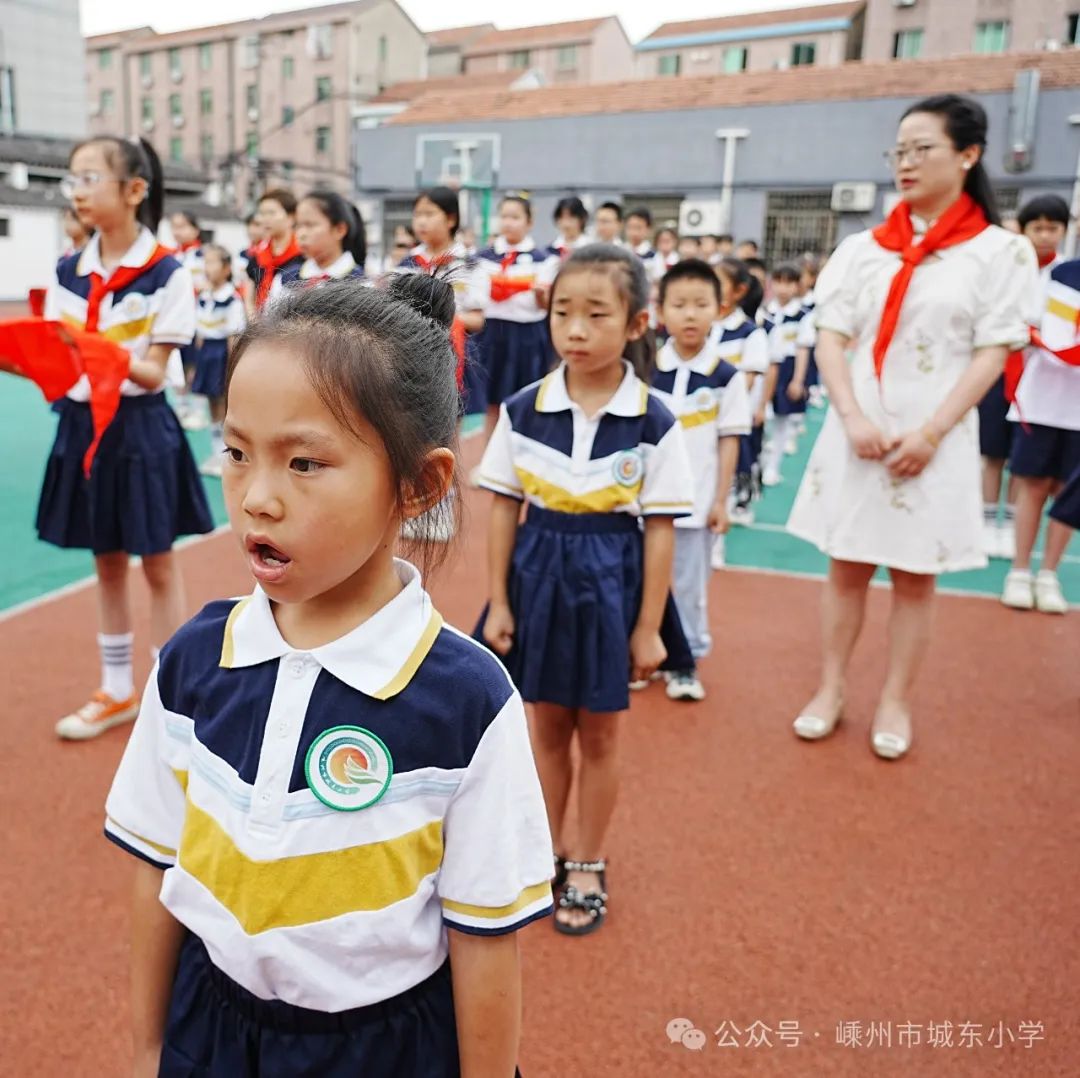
(825, 35)
(259, 101)
(929, 29)
(446, 48)
(590, 50)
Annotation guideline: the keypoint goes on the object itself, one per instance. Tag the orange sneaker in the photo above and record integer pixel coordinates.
(101, 713)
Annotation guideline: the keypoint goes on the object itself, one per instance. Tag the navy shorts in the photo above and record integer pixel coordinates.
(217, 1029)
(1044, 452)
(995, 431)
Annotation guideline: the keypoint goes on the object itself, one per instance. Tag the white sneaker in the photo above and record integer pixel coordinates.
(991, 539)
(1048, 596)
(685, 686)
(1006, 538)
(718, 558)
(816, 396)
(194, 420)
(101, 713)
(742, 515)
(771, 477)
(791, 446)
(1018, 593)
(212, 466)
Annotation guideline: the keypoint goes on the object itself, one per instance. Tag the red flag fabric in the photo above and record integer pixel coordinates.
(962, 221)
(54, 356)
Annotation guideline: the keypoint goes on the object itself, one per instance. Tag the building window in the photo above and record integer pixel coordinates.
(176, 149)
(108, 100)
(384, 49)
(206, 148)
(251, 52)
(322, 139)
(148, 110)
(520, 59)
(7, 99)
(802, 53)
(5, 227)
(206, 56)
(1072, 33)
(174, 62)
(287, 170)
(287, 67)
(322, 88)
(252, 96)
(907, 44)
(175, 107)
(669, 65)
(734, 60)
(252, 147)
(104, 59)
(288, 114)
(320, 41)
(992, 36)
(145, 64)
(206, 102)
(566, 58)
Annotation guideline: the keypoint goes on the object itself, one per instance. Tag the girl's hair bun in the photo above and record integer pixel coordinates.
(432, 297)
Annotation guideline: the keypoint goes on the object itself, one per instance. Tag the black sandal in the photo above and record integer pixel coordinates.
(560, 874)
(592, 902)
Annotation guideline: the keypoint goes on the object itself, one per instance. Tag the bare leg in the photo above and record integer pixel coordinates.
(166, 596)
(992, 470)
(909, 636)
(114, 609)
(1057, 541)
(842, 610)
(598, 788)
(1031, 497)
(552, 731)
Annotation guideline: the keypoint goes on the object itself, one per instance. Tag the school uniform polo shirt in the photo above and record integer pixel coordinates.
(157, 308)
(460, 270)
(628, 458)
(219, 314)
(495, 263)
(323, 815)
(708, 397)
(784, 335)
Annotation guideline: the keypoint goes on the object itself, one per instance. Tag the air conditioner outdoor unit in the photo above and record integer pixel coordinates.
(853, 197)
(700, 216)
(700, 56)
(903, 3)
(176, 74)
(147, 81)
(178, 121)
(95, 109)
(253, 115)
(148, 125)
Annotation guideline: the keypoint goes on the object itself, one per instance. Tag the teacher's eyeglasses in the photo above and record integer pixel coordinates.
(916, 154)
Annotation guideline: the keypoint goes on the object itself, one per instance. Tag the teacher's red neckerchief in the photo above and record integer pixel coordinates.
(270, 263)
(962, 221)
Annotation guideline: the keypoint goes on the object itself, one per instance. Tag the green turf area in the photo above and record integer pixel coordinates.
(31, 568)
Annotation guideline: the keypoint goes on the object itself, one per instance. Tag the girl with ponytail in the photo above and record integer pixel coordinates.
(930, 303)
(330, 234)
(143, 490)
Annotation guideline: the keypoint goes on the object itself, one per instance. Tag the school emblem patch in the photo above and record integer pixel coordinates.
(628, 467)
(704, 399)
(135, 306)
(348, 768)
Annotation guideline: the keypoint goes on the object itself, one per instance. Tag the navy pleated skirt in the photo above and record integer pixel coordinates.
(217, 1029)
(1066, 507)
(782, 404)
(513, 355)
(575, 591)
(210, 363)
(144, 489)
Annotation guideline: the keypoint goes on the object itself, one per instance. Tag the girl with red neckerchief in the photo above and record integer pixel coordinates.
(279, 251)
(930, 303)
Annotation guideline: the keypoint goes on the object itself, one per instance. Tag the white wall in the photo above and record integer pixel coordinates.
(29, 251)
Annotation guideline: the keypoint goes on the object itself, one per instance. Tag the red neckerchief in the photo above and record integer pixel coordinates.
(120, 278)
(503, 287)
(962, 221)
(435, 262)
(189, 246)
(457, 327)
(270, 263)
(1045, 260)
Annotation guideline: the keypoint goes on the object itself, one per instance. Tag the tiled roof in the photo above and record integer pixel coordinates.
(415, 88)
(456, 36)
(532, 37)
(851, 81)
(757, 18)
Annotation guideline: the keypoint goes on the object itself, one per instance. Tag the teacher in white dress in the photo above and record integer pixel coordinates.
(929, 304)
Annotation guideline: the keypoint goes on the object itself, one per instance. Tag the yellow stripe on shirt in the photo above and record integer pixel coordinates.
(302, 890)
(412, 663)
(129, 331)
(526, 898)
(697, 419)
(227, 647)
(605, 500)
(1062, 310)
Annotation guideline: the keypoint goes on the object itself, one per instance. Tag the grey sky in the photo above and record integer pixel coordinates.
(639, 18)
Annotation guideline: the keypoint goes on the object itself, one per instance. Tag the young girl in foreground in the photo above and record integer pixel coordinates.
(329, 776)
(579, 595)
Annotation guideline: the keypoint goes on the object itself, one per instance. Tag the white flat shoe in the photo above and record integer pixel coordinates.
(889, 746)
(814, 727)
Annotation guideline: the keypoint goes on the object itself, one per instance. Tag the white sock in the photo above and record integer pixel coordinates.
(990, 512)
(1008, 515)
(116, 674)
